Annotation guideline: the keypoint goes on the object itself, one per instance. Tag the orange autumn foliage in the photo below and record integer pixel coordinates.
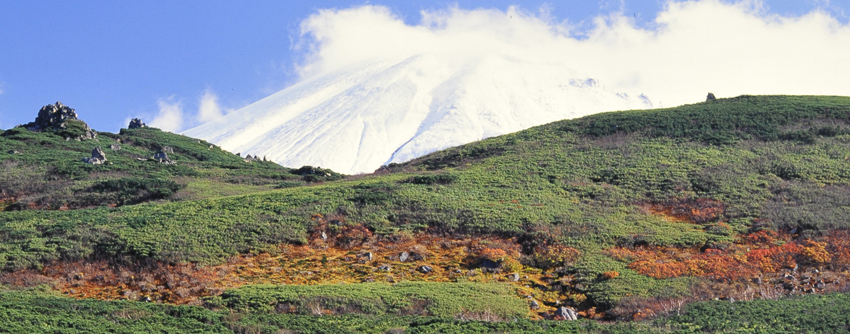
(756, 253)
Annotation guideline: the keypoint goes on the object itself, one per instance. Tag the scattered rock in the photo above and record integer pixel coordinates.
(97, 157)
(115, 147)
(566, 313)
(324, 236)
(368, 280)
(368, 256)
(163, 158)
(147, 299)
(13, 152)
(513, 277)
(788, 276)
(820, 284)
(710, 97)
(757, 280)
(167, 149)
(416, 256)
(384, 267)
(426, 269)
(136, 123)
(404, 256)
(534, 305)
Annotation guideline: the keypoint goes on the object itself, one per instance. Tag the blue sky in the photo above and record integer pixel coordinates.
(112, 60)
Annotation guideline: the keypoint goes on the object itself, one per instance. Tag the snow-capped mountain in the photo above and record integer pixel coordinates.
(356, 119)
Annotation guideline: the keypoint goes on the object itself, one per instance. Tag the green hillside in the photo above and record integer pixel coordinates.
(615, 214)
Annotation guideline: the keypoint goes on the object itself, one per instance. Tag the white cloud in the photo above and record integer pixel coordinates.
(170, 116)
(208, 109)
(692, 48)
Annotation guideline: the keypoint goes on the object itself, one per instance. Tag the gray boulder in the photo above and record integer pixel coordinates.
(566, 313)
(426, 269)
(115, 147)
(710, 97)
(534, 305)
(163, 158)
(404, 256)
(513, 277)
(97, 157)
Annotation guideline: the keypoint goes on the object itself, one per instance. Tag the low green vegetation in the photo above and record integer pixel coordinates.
(622, 179)
(411, 298)
(42, 312)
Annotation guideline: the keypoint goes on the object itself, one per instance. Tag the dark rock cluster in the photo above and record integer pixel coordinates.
(55, 117)
(136, 123)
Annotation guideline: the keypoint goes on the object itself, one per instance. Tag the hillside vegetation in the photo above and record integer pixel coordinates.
(621, 215)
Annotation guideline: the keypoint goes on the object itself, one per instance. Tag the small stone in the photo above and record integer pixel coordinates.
(534, 305)
(368, 256)
(710, 97)
(404, 256)
(513, 277)
(13, 152)
(324, 236)
(384, 267)
(147, 299)
(115, 147)
(426, 269)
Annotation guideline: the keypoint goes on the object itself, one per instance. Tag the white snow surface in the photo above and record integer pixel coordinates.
(356, 119)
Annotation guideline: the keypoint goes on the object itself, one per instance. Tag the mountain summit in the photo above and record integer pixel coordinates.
(356, 119)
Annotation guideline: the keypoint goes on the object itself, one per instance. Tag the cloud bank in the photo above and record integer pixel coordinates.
(173, 117)
(692, 48)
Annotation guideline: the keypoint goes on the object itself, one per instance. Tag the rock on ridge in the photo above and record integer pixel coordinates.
(136, 123)
(55, 117)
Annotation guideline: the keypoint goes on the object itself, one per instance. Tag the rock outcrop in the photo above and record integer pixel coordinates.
(97, 157)
(56, 117)
(136, 123)
(710, 97)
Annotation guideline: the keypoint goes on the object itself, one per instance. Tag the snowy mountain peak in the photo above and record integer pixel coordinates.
(356, 119)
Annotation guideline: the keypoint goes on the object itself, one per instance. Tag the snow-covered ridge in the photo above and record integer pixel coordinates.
(356, 119)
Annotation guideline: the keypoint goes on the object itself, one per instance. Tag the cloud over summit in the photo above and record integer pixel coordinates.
(691, 48)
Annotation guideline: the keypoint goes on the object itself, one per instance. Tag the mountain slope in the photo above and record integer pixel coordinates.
(619, 215)
(355, 120)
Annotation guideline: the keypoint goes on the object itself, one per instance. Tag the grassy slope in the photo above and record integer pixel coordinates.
(39, 312)
(776, 162)
(47, 172)
(585, 178)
